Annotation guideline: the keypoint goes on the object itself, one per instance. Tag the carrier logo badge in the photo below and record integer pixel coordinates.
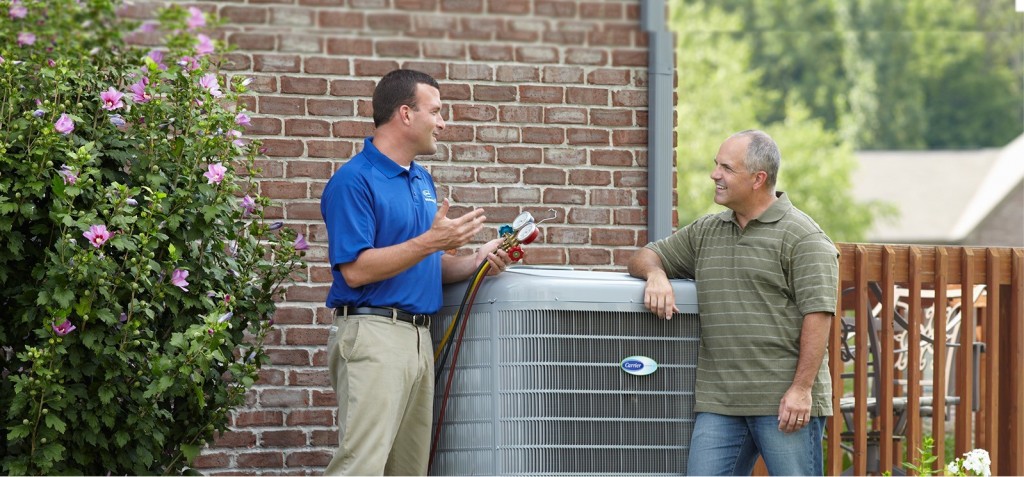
(428, 197)
(639, 365)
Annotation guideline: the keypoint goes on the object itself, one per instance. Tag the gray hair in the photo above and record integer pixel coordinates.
(762, 154)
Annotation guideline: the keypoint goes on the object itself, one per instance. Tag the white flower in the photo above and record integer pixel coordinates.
(975, 462)
(978, 461)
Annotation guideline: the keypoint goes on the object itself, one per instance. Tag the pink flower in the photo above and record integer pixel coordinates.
(139, 94)
(235, 136)
(63, 328)
(242, 119)
(68, 174)
(178, 278)
(26, 38)
(209, 81)
(158, 57)
(17, 11)
(215, 173)
(300, 243)
(189, 63)
(97, 235)
(248, 206)
(112, 99)
(64, 124)
(205, 46)
(196, 18)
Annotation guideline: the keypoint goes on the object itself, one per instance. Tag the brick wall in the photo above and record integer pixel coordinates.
(545, 103)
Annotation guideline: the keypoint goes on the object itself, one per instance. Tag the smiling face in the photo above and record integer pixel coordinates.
(425, 119)
(734, 184)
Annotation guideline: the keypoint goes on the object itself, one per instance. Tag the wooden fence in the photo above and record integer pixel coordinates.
(931, 342)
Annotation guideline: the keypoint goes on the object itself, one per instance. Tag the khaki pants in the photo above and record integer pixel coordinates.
(382, 372)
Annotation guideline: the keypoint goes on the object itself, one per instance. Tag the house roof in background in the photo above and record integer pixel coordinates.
(1002, 177)
(933, 191)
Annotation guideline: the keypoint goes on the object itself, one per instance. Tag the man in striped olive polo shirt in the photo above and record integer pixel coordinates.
(766, 277)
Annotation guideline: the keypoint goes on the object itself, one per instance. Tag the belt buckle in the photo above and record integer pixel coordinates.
(421, 320)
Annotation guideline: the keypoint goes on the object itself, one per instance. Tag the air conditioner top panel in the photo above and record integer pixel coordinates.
(523, 284)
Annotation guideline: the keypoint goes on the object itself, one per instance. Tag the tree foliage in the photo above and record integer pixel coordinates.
(719, 93)
(137, 272)
(912, 74)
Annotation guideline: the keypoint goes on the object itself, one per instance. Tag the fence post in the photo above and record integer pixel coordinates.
(1011, 421)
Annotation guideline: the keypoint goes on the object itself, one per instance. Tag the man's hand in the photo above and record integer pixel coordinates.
(447, 234)
(498, 258)
(794, 409)
(659, 297)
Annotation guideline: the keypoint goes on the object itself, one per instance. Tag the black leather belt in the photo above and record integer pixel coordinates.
(418, 320)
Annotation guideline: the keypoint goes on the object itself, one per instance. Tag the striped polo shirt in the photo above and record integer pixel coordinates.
(754, 287)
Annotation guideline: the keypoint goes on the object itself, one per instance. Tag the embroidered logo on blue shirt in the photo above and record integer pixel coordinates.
(428, 197)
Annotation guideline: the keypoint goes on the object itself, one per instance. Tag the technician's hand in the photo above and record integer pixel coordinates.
(497, 257)
(659, 297)
(794, 409)
(448, 233)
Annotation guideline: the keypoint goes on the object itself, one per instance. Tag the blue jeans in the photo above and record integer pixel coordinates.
(729, 445)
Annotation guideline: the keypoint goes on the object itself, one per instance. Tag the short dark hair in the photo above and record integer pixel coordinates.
(396, 89)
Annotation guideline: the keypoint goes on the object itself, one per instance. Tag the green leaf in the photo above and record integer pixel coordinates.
(51, 452)
(190, 451)
(64, 296)
(19, 432)
(43, 298)
(121, 438)
(210, 212)
(84, 305)
(55, 422)
(106, 394)
(90, 338)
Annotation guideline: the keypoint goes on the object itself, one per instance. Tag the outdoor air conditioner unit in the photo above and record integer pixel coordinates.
(543, 384)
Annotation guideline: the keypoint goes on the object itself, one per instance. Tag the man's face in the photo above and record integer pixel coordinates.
(734, 184)
(425, 119)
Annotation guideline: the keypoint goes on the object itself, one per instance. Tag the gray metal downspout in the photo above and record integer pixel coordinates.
(660, 120)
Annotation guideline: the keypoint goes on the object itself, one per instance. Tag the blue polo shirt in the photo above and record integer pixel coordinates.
(372, 202)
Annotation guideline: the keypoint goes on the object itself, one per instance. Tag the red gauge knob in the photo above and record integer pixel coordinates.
(516, 253)
(527, 234)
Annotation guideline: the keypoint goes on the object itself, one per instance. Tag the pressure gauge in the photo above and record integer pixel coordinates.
(523, 219)
(527, 234)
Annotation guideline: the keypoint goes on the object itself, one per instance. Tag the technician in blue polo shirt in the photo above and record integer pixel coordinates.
(387, 235)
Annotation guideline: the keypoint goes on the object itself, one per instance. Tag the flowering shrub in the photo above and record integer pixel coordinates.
(137, 272)
(975, 462)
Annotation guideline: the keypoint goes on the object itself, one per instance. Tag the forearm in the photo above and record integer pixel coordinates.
(646, 263)
(376, 264)
(659, 297)
(456, 268)
(813, 340)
